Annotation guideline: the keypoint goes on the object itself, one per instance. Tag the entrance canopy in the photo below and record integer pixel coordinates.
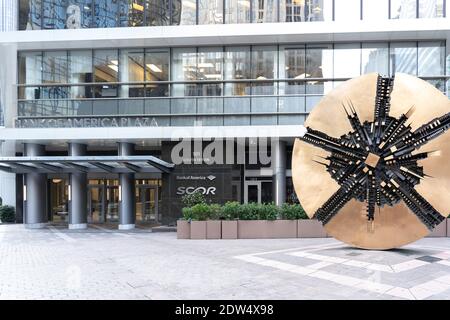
(103, 164)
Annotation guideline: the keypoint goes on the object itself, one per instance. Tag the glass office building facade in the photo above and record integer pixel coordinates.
(81, 86)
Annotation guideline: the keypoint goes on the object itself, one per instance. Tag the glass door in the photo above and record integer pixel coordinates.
(252, 191)
(96, 203)
(112, 203)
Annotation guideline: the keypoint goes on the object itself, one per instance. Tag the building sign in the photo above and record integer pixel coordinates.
(86, 122)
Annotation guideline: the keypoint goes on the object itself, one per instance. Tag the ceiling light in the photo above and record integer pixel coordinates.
(261, 78)
(214, 76)
(244, 3)
(114, 67)
(115, 62)
(138, 7)
(56, 180)
(154, 68)
(302, 76)
(189, 4)
(205, 65)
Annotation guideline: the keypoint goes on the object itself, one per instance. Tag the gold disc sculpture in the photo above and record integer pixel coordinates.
(374, 163)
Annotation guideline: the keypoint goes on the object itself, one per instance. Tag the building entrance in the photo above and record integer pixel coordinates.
(103, 202)
(147, 203)
(258, 191)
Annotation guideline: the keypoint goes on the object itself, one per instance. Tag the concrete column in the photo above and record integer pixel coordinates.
(36, 192)
(127, 206)
(279, 171)
(77, 192)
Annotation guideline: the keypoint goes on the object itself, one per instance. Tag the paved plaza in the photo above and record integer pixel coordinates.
(103, 263)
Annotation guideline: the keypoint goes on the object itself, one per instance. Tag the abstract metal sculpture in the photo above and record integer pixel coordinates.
(377, 157)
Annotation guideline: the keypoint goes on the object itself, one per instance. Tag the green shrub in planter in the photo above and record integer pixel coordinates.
(267, 211)
(190, 200)
(7, 214)
(249, 211)
(231, 210)
(292, 212)
(200, 212)
(187, 213)
(215, 212)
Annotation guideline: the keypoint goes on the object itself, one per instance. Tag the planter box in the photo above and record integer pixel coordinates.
(310, 229)
(448, 227)
(198, 229)
(183, 229)
(229, 229)
(267, 229)
(440, 230)
(213, 229)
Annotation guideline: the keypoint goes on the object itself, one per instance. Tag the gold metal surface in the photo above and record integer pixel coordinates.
(393, 226)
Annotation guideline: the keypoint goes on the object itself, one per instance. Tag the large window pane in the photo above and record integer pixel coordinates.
(237, 11)
(80, 71)
(30, 67)
(264, 67)
(375, 10)
(54, 67)
(210, 67)
(132, 70)
(306, 10)
(347, 60)
(184, 12)
(264, 11)
(157, 12)
(107, 13)
(375, 58)
(403, 56)
(431, 58)
(431, 8)
(54, 14)
(30, 14)
(210, 11)
(292, 66)
(136, 13)
(237, 67)
(403, 9)
(106, 67)
(157, 69)
(184, 68)
(319, 61)
(347, 10)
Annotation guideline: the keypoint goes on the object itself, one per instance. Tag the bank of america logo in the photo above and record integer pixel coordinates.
(211, 177)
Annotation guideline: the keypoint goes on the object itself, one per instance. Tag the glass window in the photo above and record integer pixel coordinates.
(347, 10)
(157, 12)
(30, 67)
(403, 56)
(347, 60)
(157, 69)
(54, 14)
(431, 58)
(319, 61)
(306, 10)
(106, 12)
(264, 67)
(237, 67)
(375, 10)
(431, 8)
(80, 66)
(375, 58)
(54, 67)
(79, 14)
(292, 66)
(30, 14)
(237, 11)
(264, 11)
(106, 67)
(210, 67)
(184, 68)
(403, 9)
(210, 11)
(184, 12)
(131, 70)
(136, 13)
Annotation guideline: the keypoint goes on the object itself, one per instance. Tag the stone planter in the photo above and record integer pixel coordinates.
(282, 229)
(440, 230)
(267, 229)
(183, 229)
(198, 229)
(252, 229)
(213, 229)
(310, 229)
(229, 229)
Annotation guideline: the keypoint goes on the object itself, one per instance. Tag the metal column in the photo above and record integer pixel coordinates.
(127, 207)
(35, 185)
(77, 192)
(279, 171)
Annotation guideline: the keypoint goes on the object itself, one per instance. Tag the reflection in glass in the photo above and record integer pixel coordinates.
(347, 60)
(157, 69)
(319, 61)
(347, 10)
(431, 8)
(403, 58)
(136, 13)
(30, 14)
(210, 11)
(237, 66)
(131, 70)
(403, 9)
(157, 12)
(105, 70)
(375, 58)
(306, 10)
(264, 11)
(375, 10)
(184, 67)
(210, 67)
(264, 66)
(106, 12)
(30, 67)
(292, 66)
(237, 11)
(54, 67)
(431, 58)
(184, 12)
